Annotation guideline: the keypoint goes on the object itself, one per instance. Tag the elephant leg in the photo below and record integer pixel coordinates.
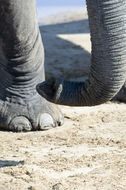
(21, 69)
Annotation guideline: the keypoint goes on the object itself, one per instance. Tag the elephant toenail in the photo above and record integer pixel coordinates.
(61, 120)
(20, 123)
(46, 122)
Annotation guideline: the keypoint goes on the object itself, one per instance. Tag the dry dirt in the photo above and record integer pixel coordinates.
(89, 151)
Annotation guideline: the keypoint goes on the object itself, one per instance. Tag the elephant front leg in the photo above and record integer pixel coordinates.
(21, 69)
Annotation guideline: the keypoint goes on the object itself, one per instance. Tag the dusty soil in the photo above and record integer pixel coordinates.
(89, 151)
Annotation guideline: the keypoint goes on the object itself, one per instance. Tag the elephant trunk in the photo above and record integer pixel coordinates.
(107, 21)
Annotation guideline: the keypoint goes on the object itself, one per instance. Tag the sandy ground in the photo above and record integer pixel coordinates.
(89, 151)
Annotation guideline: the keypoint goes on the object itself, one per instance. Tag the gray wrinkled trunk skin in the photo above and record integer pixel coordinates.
(121, 95)
(21, 68)
(107, 21)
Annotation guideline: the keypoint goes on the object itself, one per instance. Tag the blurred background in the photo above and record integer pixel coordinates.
(47, 8)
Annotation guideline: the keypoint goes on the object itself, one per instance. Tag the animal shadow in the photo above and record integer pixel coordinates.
(9, 163)
(62, 57)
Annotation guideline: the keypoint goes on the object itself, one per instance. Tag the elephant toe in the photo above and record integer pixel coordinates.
(19, 124)
(46, 122)
(60, 119)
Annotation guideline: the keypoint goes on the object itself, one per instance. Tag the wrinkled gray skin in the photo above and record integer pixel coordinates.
(21, 69)
(22, 65)
(107, 21)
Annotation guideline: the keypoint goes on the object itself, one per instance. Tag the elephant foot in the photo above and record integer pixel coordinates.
(121, 96)
(34, 114)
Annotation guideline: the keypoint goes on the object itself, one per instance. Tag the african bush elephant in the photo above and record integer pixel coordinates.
(22, 65)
